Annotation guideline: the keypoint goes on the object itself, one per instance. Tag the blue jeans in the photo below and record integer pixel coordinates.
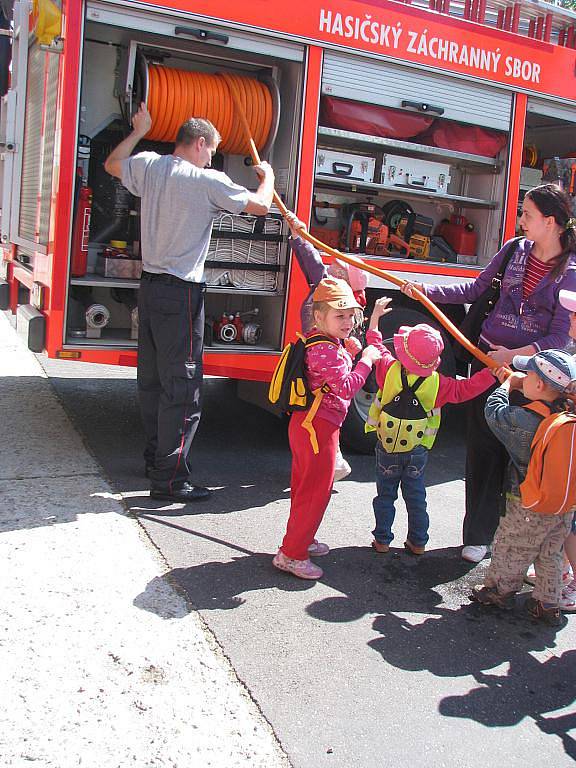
(407, 470)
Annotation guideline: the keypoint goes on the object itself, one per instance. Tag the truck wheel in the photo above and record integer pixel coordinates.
(352, 432)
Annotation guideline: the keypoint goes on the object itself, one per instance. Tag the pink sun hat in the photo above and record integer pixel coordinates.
(568, 300)
(418, 348)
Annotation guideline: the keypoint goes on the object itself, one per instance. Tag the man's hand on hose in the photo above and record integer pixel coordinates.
(264, 171)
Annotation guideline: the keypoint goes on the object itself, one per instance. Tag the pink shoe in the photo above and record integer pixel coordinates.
(317, 549)
(304, 569)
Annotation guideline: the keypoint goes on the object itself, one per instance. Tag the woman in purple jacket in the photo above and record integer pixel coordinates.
(528, 317)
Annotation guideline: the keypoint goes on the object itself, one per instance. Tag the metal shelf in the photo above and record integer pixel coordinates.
(242, 291)
(365, 186)
(98, 281)
(111, 337)
(352, 140)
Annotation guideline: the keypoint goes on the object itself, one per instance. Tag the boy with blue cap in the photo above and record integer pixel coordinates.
(524, 536)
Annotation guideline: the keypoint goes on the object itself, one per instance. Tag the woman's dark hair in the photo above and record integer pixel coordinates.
(552, 201)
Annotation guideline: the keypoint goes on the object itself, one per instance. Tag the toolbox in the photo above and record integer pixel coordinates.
(412, 173)
(344, 165)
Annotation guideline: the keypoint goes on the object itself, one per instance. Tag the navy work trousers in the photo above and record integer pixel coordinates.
(170, 344)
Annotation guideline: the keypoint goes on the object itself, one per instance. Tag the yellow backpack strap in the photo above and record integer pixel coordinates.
(307, 422)
(318, 394)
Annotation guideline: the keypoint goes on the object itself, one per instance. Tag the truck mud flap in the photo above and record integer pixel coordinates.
(4, 295)
(31, 325)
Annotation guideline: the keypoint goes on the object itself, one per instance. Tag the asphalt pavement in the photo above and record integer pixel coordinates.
(384, 662)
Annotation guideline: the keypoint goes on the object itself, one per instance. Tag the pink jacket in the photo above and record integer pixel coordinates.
(332, 365)
(449, 390)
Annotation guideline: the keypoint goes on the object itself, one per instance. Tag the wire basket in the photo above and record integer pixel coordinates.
(244, 252)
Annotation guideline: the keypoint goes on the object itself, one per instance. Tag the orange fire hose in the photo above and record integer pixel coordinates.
(356, 262)
(176, 94)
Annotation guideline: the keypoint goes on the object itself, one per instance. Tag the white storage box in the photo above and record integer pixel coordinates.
(344, 165)
(409, 172)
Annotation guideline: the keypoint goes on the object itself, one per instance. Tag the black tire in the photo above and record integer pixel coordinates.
(352, 433)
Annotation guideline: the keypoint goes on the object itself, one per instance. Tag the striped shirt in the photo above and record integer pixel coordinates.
(536, 270)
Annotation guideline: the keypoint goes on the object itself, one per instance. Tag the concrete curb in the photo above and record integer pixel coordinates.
(89, 675)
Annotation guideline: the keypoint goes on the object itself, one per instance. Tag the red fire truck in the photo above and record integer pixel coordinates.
(403, 131)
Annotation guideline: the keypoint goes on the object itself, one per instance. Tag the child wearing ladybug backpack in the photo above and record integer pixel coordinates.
(532, 530)
(406, 417)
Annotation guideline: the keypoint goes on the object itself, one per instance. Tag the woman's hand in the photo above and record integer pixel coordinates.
(501, 355)
(294, 224)
(381, 308)
(409, 288)
(352, 346)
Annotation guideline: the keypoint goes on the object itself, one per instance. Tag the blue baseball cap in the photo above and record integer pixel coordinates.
(556, 368)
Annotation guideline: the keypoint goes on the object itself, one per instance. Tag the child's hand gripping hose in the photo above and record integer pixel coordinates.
(421, 297)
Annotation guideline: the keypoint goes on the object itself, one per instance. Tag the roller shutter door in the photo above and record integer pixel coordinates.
(548, 108)
(380, 82)
(32, 147)
(38, 146)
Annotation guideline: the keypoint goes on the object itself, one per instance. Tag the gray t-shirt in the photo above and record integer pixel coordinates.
(179, 204)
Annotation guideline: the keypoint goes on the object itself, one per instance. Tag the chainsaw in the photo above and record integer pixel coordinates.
(365, 231)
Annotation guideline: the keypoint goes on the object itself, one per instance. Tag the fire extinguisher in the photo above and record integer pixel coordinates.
(79, 259)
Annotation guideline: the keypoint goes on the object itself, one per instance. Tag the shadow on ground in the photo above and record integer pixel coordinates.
(416, 631)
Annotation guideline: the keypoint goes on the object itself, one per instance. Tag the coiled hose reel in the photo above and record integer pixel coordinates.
(174, 95)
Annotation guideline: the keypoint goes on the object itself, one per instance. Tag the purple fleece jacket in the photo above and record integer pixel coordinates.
(539, 320)
(314, 270)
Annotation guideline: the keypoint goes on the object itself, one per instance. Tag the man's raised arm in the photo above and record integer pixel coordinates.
(141, 123)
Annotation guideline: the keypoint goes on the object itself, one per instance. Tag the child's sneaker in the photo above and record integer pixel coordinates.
(380, 547)
(568, 598)
(317, 549)
(342, 468)
(567, 575)
(537, 610)
(530, 577)
(491, 596)
(304, 569)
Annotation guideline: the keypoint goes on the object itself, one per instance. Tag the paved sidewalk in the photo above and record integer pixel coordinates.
(89, 674)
